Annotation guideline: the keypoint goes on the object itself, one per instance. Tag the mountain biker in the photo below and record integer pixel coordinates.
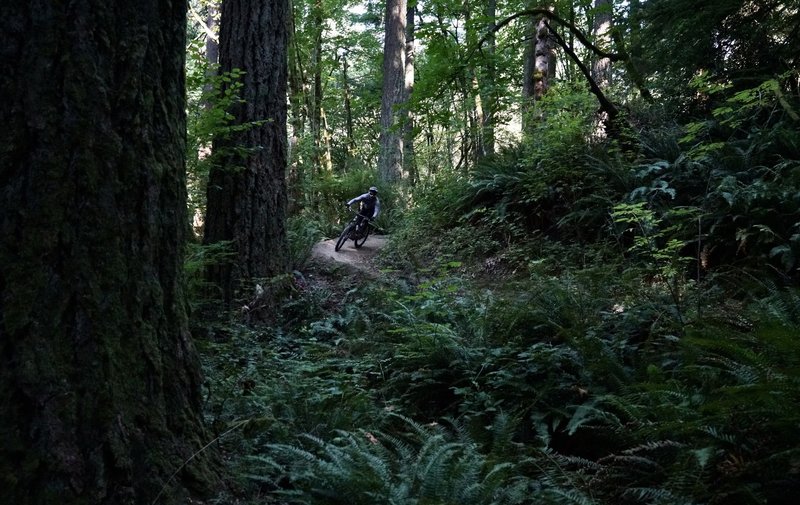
(369, 203)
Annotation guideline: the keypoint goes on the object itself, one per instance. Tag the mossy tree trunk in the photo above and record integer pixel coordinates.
(99, 381)
(247, 194)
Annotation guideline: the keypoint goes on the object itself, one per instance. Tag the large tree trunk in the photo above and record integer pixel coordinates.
(247, 195)
(99, 381)
(601, 31)
(390, 163)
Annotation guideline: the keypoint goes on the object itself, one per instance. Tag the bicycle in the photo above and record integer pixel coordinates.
(357, 229)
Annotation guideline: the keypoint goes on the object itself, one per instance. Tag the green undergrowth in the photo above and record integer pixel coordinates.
(569, 322)
(596, 385)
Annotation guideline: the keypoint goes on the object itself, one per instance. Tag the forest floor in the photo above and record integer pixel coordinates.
(356, 259)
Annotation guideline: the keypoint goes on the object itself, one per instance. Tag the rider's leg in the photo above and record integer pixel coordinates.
(361, 219)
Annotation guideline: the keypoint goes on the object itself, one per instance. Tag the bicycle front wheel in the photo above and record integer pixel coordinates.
(363, 238)
(343, 237)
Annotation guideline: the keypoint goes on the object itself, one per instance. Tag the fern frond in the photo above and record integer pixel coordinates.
(655, 496)
(654, 446)
(570, 496)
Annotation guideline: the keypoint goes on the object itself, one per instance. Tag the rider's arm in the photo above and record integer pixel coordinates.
(356, 199)
(377, 208)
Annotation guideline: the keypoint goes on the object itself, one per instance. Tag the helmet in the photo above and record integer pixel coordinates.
(373, 190)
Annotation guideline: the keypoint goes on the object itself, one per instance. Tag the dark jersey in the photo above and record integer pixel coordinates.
(370, 205)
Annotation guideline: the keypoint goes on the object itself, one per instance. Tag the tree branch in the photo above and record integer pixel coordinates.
(209, 32)
(623, 56)
(552, 16)
(605, 103)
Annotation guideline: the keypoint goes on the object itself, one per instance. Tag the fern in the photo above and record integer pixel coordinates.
(655, 496)
(357, 467)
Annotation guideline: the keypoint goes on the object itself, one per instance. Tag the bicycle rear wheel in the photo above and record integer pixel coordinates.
(343, 237)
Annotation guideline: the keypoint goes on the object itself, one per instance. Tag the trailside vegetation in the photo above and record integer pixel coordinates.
(567, 322)
(590, 292)
(588, 312)
(600, 307)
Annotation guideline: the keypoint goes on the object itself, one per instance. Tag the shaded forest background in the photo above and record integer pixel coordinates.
(589, 294)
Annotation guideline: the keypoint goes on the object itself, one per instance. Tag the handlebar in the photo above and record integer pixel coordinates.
(368, 218)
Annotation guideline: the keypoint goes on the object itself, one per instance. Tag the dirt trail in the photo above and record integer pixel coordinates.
(358, 259)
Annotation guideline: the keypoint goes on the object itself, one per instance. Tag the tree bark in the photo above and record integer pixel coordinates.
(298, 113)
(601, 29)
(247, 193)
(212, 42)
(316, 91)
(472, 92)
(601, 66)
(351, 139)
(390, 162)
(539, 65)
(489, 85)
(545, 66)
(409, 159)
(326, 159)
(528, 69)
(99, 380)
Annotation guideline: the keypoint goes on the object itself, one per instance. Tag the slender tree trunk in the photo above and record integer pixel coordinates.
(477, 120)
(540, 66)
(483, 80)
(545, 67)
(601, 66)
(467, 150)
(474, 122)
(325, 142)
(390, 163)
(409, 160)
(99, 380)
(450, 149)
(528, 70)
(351, 140)
(430, 139)
(569, 66)
(489, 85)
(298, 113)
(247, 195)
(316, 92)
(212, 22)
(472, 93)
